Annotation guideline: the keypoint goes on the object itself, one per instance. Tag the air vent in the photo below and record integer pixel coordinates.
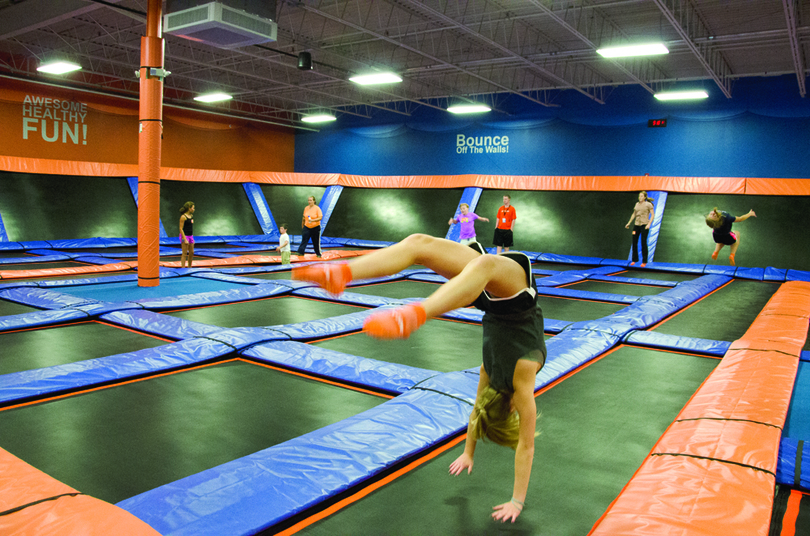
(221, 26)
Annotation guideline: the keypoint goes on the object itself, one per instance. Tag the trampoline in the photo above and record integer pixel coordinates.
(232, 400)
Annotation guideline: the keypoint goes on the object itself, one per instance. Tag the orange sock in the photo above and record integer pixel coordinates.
(332, 277)
(714, 256)
(731, 259)
(396, 323)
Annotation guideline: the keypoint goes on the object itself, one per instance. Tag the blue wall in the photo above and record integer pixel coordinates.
(763, 131)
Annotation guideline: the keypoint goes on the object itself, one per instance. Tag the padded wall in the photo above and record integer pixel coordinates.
(776, 237)
(392, 214)
(220, 208)
(52, 207)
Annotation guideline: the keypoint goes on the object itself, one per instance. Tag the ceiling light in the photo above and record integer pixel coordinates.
(471, 108)
(213, 97)
(633, 50)
(59, 67)
(682, 95)
(318, 118)
(375, 78)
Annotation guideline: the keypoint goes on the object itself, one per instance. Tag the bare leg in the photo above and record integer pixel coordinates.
(190, 254)
(184, 249)
(717, 248)
(498, 250)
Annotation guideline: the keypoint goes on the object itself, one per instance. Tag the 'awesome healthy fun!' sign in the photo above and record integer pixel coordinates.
(54, 120)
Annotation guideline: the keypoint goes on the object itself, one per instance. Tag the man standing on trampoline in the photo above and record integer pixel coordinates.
(514, 347)
(503, 230)
(311, 227)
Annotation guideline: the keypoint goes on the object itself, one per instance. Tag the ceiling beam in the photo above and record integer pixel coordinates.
(795, 48)
(689, 25)
(24, 17)
(422, 53)
(596, 30)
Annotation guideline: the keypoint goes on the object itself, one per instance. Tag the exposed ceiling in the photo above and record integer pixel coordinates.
(483, 50)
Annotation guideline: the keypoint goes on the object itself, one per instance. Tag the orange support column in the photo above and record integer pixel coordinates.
(149, 147)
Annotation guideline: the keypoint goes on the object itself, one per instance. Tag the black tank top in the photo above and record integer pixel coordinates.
(188, 226)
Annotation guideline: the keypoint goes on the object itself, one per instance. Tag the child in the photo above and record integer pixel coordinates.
(514, 347)
(467, 219)
(284, 244)
(721, 222)
(187, 233)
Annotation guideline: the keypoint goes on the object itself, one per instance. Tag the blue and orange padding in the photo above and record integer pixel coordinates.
(32, 502)
(713, 471)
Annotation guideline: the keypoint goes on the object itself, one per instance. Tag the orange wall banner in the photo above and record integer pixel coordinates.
(713, 185)
(47, 122)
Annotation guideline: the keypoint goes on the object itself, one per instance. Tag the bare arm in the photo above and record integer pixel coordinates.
(746, 216)
(650, 220)
(633, 215)
(524, 403)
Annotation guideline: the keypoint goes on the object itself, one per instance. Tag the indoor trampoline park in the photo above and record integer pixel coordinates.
(236, 296)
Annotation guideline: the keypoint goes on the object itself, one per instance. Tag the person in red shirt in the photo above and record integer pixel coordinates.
(506, 220)
(311, 227)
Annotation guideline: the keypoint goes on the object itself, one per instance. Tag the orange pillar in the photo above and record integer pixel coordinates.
(149, 147)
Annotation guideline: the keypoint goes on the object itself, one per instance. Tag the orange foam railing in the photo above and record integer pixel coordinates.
(713, 471)
(32, 502)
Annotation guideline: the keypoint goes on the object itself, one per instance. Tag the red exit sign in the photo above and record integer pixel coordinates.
(656, 123)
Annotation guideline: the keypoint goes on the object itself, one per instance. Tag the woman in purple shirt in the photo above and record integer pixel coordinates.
(467, 220)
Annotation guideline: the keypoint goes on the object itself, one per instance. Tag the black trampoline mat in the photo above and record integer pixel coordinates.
(59, 345)
(560, 267)
(596, 428)
(439, 345)
(14, 254)
(13, 308)
(658, 276)
(724, 315)
(398, 289)
(269, 312)
(576, 310)
(616, 288)
(284, 274)
(118, 442)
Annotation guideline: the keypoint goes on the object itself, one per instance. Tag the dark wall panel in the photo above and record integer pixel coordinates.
(221, 208)
(53, 207)
(589, 224)
(777, 237)
(287, 203)
(393, 214)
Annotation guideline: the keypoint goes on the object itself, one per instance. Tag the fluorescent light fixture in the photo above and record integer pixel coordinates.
(213, 97)
(318, 118)
(471, 108)
(682, 95)
(633, 50)
(375, 78)
(59, 67)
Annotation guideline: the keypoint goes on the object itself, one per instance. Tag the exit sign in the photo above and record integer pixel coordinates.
(656, 123)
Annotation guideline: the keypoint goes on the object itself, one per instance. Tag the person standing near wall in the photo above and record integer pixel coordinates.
(187, 233)
(311, 227)
(506, 221)
(284, 244)
(467, 220)
(643, 214)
